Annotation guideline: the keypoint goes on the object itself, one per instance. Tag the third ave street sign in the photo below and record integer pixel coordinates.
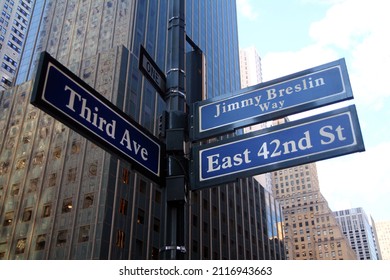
(295, 93)
(319, 137)
(69, 99)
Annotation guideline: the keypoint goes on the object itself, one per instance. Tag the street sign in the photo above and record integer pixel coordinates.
(151, 71)
(295, 93)
(319, 137)
(69, 99)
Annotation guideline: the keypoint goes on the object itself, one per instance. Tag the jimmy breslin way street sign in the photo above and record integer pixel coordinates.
(295, 93)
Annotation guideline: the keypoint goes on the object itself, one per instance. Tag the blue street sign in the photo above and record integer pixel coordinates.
(69, 99)
(319, 137)
(152, 72)
(295, 93)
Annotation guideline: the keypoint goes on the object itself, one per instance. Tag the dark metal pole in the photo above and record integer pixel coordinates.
(176, 90)
(176, 135)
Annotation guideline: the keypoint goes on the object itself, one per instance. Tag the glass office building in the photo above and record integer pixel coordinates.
(62, 197)
(359, 229)
(14, 22)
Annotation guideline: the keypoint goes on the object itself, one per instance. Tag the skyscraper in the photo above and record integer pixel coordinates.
(382, 233)
(311, 229)
(250, 73)
(14, 22)
(356, 225)
(63, 197)
(250, 65)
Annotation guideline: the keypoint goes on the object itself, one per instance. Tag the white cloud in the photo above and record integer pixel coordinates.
(358, 31)
(246, 9)
(354, 29)
(357, 179)
(276, 65)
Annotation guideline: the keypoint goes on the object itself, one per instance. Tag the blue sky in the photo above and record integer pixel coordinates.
(293, 35)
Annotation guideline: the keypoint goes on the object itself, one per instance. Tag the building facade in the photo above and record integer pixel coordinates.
(251, 75)
(250, 66)
(62, 197)
(382, 233)
(311, 229)
(14, 23)
(356, 226)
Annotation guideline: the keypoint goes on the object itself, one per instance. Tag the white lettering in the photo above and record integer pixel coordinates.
(133, 146)
(70, 105)
(227, 162)
(327, 131)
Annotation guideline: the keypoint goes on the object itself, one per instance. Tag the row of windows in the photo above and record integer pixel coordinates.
(62, 236)
(5, 81)
(10, 60)
(67, 206)
(7, 67)
(6, 15)
(293, 189)
(290, 170)
(14, 47)
(61, 240)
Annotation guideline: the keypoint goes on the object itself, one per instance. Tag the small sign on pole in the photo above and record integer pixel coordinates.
(152, 72)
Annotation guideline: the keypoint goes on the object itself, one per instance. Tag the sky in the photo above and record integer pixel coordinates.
(294, 35)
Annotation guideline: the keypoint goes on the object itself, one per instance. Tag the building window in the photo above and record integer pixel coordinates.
(76, 146)
(141, 217)
(157, 197)
(88, 201)
(20, 246)
(120, 239)
(52, 179)
(84, 233)
(33, 185)
(142, 186)
(4, 167)
(123, 206)
(46, 210)
(154, 253)
(156, 225)
(38, 158)
(72, 172)
(21, 163)
(9, 217)
(93, 169)
(67, 205)
(57, 152)
(27, 215)
(195, 246)
(62, 237)
(15, 189)
(41, 242)
(125, 176)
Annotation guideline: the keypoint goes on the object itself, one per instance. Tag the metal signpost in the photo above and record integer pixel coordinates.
(295, 93)
(66, 97)
(307, 140)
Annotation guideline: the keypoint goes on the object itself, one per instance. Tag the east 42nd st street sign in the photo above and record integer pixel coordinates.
(323, 136)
